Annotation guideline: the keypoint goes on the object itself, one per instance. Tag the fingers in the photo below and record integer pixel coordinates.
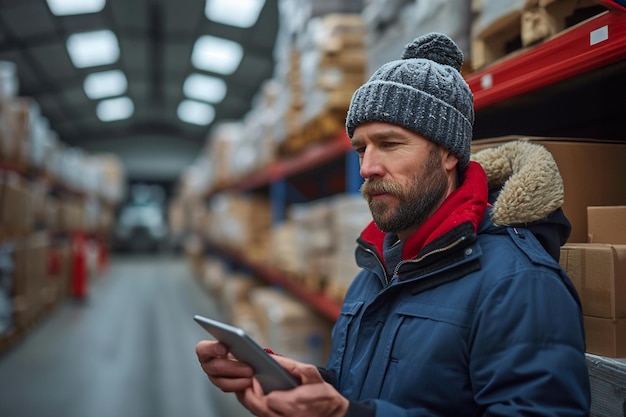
(307, 373)
(227, 374)
(310, 400)
(208, 349)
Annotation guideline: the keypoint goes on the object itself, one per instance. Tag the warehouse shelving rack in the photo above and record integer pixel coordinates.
(587, 61)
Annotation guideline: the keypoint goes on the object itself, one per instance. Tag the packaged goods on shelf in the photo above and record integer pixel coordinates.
(193, 248)
(214, 276)
(282, 249)
(350, 215)
(16, 206)
(606, 224)
(605, 337)
(393, 24)
(313, 239)
(235, 294)
(290, 327)
(16, 116)
(591, 172)
(544, 18)
(495, 30)
(31, 286)
(315, 245)
(71, 214)
(240, 222)
(500, 28)
(197, 179)
(597, 271)
(222, 141)
(332, 63)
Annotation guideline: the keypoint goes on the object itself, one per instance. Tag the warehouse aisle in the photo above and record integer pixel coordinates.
(128, 350)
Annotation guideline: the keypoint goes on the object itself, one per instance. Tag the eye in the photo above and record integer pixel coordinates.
(360, 150)
(388, 145)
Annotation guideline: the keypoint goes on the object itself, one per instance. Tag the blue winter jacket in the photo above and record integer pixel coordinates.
(481, 321)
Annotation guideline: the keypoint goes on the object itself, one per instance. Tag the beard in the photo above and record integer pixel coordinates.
(425, 192)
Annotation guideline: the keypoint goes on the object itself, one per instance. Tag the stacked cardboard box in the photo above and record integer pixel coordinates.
(590, 170)
(591, 177)
(598, 270)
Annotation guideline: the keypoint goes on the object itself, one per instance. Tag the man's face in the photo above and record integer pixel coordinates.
(405, 179)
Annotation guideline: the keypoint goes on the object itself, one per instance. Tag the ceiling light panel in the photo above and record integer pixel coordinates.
(89, 49)
(216, 54)
(115, 109)
(105, 84)
(239, 13)
(194, 112)
(71, 7)
(205, 88)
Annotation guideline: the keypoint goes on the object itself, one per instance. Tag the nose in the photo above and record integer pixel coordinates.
(371, 164)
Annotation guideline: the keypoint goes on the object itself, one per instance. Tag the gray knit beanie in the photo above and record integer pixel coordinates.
(423, 92)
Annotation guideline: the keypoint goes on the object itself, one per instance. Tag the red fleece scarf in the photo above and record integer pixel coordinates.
(467, 203)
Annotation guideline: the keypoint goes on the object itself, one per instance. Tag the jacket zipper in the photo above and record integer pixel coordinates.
(426, 255)
(375, 255)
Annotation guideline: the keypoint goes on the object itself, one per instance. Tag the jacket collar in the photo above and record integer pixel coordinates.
(467, 204)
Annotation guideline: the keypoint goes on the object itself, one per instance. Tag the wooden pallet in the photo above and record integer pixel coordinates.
(521, 28)
(546, 18)
(499, 39)
(319, 129)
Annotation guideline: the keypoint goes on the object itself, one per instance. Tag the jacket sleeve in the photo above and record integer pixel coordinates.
(527, 348)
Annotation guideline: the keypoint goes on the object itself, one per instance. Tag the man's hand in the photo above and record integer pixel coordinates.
(314, 398)
(223, 370)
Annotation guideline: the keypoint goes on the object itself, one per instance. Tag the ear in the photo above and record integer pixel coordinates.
(449, 160)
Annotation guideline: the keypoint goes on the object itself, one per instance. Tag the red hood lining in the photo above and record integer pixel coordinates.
(467, 203)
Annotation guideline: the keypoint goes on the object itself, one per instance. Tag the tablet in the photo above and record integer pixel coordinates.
(269, 373)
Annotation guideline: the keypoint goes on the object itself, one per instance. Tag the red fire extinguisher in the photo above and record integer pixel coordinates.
(80, 276)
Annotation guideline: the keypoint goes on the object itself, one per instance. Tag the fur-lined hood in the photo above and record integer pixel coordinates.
(526, 189)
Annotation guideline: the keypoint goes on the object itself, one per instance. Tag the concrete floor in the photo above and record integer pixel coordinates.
(126, 351)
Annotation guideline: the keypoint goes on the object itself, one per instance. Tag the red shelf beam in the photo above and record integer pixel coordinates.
(308, 159)
(316, 300)
(590, 45)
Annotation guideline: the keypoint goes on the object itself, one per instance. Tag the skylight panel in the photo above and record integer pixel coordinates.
(71, 7)
(115, 109)
(105, 84)
(240, 13)
(205, 88)
(195, 112)
(90, 49)
(216, 54)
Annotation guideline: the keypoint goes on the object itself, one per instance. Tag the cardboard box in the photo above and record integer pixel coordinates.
(607, 224)
(598, 271)
(605, 337)
(592, 172)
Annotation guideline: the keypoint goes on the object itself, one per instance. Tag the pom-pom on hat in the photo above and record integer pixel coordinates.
(423, 92)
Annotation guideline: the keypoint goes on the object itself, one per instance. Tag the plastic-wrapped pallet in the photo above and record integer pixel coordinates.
(312, 241)
(495, 30)
(350, 215)
(608, 386)
(391, 24)
(332, 63)
(290, 327)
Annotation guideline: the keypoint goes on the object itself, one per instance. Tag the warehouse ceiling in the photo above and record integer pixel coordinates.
(156, 39)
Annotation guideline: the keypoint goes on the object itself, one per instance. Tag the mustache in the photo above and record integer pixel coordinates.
(379, 186)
